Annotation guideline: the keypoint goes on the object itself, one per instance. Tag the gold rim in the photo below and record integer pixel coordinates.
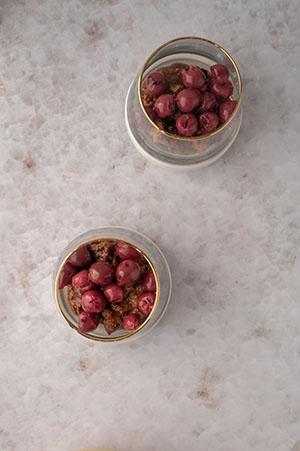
(108, 339)
(191, 138)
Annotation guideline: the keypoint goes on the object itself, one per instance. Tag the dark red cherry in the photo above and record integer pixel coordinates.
(165, 105)
(101, 273)
(151, 113)
(81, 257)
(188, 99)
(146, 302)
(193, 77)
(128, 273)
(87, 321)
(226, 109)
(208, 102)
(156, 83)
(221, 90)
(148, 281)
(93, 302)
(66, 274)
(126, 251)
(130, 322)
(208, 121)
(219, 73)
(82, 282)
(114, 293)
(186, 124)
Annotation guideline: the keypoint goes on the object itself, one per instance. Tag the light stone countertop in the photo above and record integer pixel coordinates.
(221, 372)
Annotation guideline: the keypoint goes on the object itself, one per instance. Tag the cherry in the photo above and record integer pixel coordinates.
(87, 321)
(186, 124)
(208, 121)
(101, 273)
(226, 109)
(80, 258)
(82, 282)
(188, 99)
(146, 302)
(219, 73)
(128, 273)
(93, 302)
(125, 251)
(208, 102)
(148, 281)
(156, 83)
(114, 293)
(165, 105)
(151, 113)
(193, 77)
(66, 274)
(221, 90)
(130, 322)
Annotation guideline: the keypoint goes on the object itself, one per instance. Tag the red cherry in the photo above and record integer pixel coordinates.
(221, 90)
(81, 281)
(148, 281)
(125, 251)
(193, 77)
(188, 99)
(156, 83)
(101, 273)
(66, 274)
(87, 321)
(208, 121)
(81, 257)
(165, 105)
(219, 73)
(114, 293)
(130, 322)
(93, 302)
(208, 102)
(186, 124)
(128, 273)
(226, 109)
(146, 302)
(151, 113)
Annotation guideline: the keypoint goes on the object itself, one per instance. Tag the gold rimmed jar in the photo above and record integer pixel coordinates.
(154, 258)
(175, 151)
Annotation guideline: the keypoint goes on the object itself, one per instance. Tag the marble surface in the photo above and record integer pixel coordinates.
(221, 371)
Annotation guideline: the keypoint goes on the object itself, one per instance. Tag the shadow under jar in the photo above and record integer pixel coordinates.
(150, 257)
(179, 152)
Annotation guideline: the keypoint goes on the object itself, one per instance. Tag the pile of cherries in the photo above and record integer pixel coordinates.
(100, 283)
(202, 104)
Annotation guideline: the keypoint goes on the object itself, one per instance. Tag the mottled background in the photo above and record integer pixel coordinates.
(221, 372)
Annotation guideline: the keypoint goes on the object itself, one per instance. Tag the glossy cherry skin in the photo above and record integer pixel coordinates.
(156, 83)
(130, 322)
(151, 113)
(125, 251)
(81, 257)
(208, 102)
(221, 90)
(66, 274)
(87, 321)
(114, 293)
(226, 109)
(165, 105)
(146, 302)
(188, 99)
(101, 273)
(219, 73)
(193, 77)
(82, 282)
(128, 273)
(186, 124)
(208, 121)
(93, 302)
(148, 281)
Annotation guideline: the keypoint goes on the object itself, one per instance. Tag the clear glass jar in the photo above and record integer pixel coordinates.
(175, 151)
(154, 257)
